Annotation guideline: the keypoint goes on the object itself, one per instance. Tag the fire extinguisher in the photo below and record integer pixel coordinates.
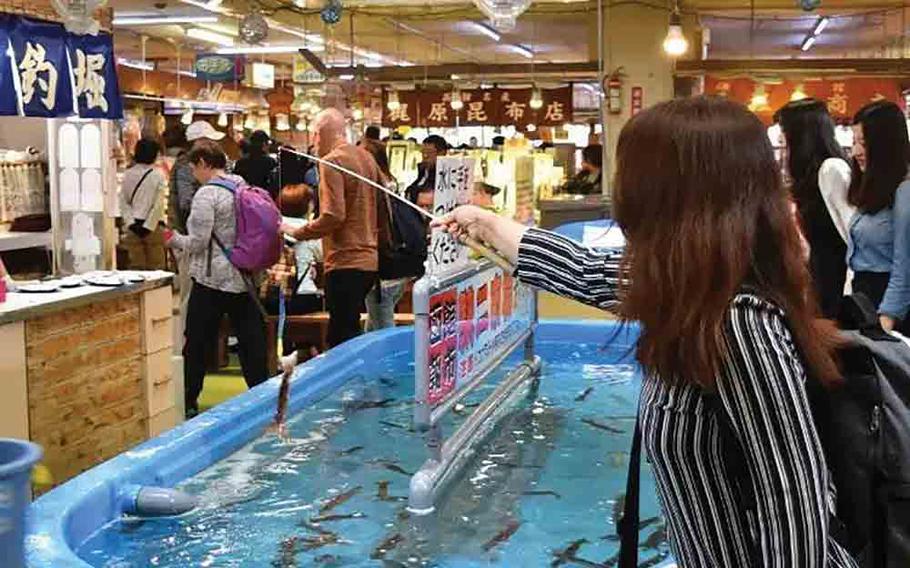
(613, 91)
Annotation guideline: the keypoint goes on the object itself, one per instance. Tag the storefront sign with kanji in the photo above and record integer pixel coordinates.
(480, 107)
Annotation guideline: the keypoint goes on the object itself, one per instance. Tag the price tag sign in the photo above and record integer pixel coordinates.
(454, 181)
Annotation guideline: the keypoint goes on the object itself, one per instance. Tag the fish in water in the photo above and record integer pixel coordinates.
(329, 518)
(387, 382)
(560, 557)
(287, 553)
(611, 561)
(541, 493)
(385, 546)
(503, 535)
(328, 559)
(339, 499)
(595, 424)
(654, 560)
(584, 394)
(367, 404)
(313, 527)
(350, 451)
(511, 465)
(318, 541)
(656, 538)
(393, 425)
(391, 466)
(619, 506)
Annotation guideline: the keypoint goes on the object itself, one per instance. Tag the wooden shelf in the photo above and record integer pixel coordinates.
(17, 241)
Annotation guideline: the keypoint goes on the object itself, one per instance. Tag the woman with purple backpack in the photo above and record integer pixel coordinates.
(219, 287)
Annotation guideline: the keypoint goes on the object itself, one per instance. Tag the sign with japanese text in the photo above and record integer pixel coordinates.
(471, 323)
(220, 68)
(303, 72)
(481, 107)
(54, 73)
(454, 182)
(844, 97)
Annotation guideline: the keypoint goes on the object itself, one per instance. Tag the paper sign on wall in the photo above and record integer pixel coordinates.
(454, 182)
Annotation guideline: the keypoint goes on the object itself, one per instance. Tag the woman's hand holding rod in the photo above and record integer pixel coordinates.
(500, 233)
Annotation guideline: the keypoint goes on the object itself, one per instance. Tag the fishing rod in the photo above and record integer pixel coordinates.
(466, 240)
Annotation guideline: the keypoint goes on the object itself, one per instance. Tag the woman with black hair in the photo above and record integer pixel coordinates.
(820, 178)
(879, 247)
(142, 208)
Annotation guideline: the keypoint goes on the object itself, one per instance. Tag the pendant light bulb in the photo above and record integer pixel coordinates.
(799, 93)
(675, 44)
(393, 103)
(187, 118)
(222, 120)
(536, 101)
(250, 122)
(457, 103)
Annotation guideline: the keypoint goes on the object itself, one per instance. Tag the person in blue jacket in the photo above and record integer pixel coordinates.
(878, 250)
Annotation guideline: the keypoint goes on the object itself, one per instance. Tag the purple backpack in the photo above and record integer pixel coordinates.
(258, 243)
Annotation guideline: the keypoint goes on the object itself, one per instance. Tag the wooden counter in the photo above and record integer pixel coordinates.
(86, 372)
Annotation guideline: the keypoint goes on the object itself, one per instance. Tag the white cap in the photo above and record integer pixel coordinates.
(202, 129)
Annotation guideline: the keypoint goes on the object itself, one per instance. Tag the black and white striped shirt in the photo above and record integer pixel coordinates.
(761, 389)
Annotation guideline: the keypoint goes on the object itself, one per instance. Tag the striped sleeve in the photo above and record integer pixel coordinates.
(764, 397)
(560, 265)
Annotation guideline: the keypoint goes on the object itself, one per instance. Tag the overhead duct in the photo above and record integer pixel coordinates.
(503, 13)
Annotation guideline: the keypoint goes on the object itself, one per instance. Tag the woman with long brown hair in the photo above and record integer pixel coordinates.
(714, 272)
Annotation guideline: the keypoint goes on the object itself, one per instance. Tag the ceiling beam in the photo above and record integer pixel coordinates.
(468, 71)
(880, 67)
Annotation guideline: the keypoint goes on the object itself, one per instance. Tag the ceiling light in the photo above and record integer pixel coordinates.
(393, 103)
(213, 3)
(799, 93)
(522, 50)
(536, 101)
(263, 49)
(346, 77)
(820, 25)
(163, 20)
(282, 124)
(531, 128)
(503, 13)
(222, 120)
(457, 103)
(136, 64)
(301, 124)
(238, 124)
(210, 36)
(405, 64)
(250, 122)
(357, 114)
(675, 44)
(455, 77)
(187, 118)
(759, 98)
(487, 31)
(808, 43)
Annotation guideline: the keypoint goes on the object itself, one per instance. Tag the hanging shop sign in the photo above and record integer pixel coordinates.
(219, 68)
(481, 107)
(51, 72)
(262, 76)
(844, 96)
(303, 72)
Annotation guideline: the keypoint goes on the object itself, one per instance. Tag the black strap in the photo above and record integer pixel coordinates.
(138, 185)
(246, 276)
(627, 527)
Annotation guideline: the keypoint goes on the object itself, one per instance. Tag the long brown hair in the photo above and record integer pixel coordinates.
(699, 196)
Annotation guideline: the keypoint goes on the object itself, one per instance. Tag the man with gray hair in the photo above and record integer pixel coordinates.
(346, 224)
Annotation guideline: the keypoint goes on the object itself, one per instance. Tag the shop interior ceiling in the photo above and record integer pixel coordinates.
(408, 39)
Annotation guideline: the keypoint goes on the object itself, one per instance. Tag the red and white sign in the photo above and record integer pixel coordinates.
(638, 96)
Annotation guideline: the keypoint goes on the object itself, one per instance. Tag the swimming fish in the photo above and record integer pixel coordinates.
(310, 526)
(350, 451)
(511, 465)
(385, 546)
(281, 412)
(654, 560)
(387, 382)
(656, 538)
(328, 559)
(314, 542)
(339, 499)
(287, 553)
(560, 557)
(367, 404)
(619, 506)
(542, 493)
(391, 466)
(599, 426)
(584, 394)
(503, 535)
(329, 518)
(393, 425)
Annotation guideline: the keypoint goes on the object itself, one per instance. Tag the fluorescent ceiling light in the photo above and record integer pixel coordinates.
(405, 64)
(346, 77)
(210, 36)
(820, 26)
(808, 43)
(273, 24)
(374, 64)
(522, 50)
(263, 49)
(136, 64)
(487, 31)
(163, 20)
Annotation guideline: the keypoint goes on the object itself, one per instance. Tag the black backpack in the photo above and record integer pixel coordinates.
(404, 254)
(865, 430)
